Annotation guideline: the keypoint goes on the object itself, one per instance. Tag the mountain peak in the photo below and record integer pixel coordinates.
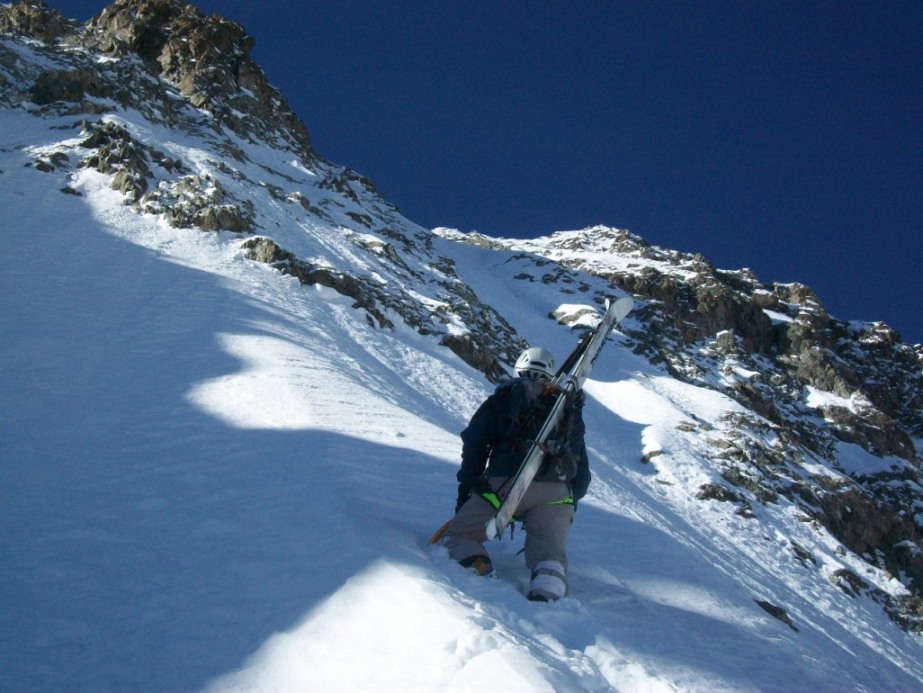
(207, 59)
(35, 20)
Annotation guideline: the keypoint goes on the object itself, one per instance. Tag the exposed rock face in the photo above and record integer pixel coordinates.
(206, 58)
(478, 348)
(691, 303)
(35, 19)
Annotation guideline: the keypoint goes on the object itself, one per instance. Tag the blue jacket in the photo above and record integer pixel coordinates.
(499, 435)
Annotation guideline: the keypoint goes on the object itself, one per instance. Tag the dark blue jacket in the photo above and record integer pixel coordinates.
(500, 433)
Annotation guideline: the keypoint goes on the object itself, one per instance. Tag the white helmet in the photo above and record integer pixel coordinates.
(535, 363)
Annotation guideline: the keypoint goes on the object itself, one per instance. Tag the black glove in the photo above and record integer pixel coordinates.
(553, 447)
(464, 493)
(476, 487)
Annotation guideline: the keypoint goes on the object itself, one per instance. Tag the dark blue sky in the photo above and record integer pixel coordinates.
(782, 136)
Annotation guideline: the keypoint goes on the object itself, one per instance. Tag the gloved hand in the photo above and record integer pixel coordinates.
(553, 447)
(476, 487)
(464, 493)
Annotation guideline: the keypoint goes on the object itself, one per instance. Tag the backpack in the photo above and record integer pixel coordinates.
(526, 405)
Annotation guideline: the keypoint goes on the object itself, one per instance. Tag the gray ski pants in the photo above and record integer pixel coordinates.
(545, 519)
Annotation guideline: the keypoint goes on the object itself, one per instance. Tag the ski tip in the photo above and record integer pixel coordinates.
(623, 307)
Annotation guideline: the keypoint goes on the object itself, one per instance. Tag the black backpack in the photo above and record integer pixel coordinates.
(527, 404)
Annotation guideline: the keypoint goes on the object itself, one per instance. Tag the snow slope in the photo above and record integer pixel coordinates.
(215, 478)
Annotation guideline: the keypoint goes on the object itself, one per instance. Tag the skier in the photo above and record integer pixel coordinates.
(493, 446)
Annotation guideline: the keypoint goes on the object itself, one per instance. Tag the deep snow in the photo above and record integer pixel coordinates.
(215, 478)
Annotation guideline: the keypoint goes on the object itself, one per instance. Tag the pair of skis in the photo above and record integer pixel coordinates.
(567, 382)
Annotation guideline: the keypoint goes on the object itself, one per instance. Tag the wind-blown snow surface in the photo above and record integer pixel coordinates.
(215, 478)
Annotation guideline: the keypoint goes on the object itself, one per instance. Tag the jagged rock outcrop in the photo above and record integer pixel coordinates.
(35, 19)
(875, 380)
(207, 59)
(481, 348)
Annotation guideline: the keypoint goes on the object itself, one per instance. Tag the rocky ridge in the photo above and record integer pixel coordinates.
(126, 93)
(164, 62)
